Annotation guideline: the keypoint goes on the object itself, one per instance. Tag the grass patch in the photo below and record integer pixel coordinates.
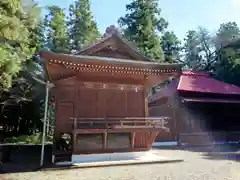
(28, 139)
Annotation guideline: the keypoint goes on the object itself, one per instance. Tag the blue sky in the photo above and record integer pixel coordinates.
(182, 15)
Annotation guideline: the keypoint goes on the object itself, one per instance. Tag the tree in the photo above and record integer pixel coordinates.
(21, 33)
(171, 47)
(82, 27)
(15, 27)
(199, 50)
(142, 25)
(227, 33)
(217, 53)
(227, 66)
(57, 34)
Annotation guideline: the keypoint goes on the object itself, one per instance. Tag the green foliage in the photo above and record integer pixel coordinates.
(227, 66)
(16, 24)
(218, 53)
(142, 25)
(171, 46)
(227, 33)
(82, 27)
(57, 34)
(199, 49)
(28, 139)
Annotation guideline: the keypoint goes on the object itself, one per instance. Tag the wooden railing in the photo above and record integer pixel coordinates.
(120, 123)
(115, 134)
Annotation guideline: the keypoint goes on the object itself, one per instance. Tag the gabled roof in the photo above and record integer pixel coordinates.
(204, 83)
(114, 36)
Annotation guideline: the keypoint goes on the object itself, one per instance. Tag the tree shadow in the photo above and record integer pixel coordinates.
(235, 156)
(210, 152)
(25, 158)
(218, 152)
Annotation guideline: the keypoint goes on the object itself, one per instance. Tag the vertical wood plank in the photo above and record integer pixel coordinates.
(133, 139)
(105, 139)
(145, 96)
(75, 123)
(74, 142)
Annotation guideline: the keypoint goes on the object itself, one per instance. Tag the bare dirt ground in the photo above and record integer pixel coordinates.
(198, 165)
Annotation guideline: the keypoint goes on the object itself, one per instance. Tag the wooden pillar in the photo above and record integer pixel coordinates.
(105, 140)
(175, 106)
(146, 97)
(133, 139)
(74, 135)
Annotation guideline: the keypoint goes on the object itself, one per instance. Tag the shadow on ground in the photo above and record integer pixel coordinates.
(24, 158)
(27, 158)
(214, 152)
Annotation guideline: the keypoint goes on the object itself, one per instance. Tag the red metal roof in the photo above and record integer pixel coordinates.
(203, 82)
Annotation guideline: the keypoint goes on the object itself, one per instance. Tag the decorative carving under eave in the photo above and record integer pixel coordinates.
(77, 67)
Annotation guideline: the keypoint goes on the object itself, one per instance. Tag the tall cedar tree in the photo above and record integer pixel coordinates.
(171, 46)
(16, 24)
(21, 36)
(227, 65)
(56, 26)
(142, 25)
(83, 29)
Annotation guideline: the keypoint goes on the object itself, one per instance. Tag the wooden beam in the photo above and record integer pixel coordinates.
(99, 131)
(109, 79)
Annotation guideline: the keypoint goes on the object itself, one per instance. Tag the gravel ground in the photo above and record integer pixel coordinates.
(196, 166)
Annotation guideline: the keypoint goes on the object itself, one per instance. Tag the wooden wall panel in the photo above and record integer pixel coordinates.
(116, 103)
(118, 140)
(140, 140)
(64, 111)
(110, 100)
(87, 102)
(88, 142)
(165, 110)
(135, 103)
(101, 103)
(65, 94)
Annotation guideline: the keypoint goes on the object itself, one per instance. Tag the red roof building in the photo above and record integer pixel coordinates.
(204, 83)
(198, 105)
(197, 83)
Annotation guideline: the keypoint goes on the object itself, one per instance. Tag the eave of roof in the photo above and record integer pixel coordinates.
(96, 59)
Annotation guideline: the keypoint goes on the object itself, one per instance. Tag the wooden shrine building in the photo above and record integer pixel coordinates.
(101, 97)
(202, 109)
